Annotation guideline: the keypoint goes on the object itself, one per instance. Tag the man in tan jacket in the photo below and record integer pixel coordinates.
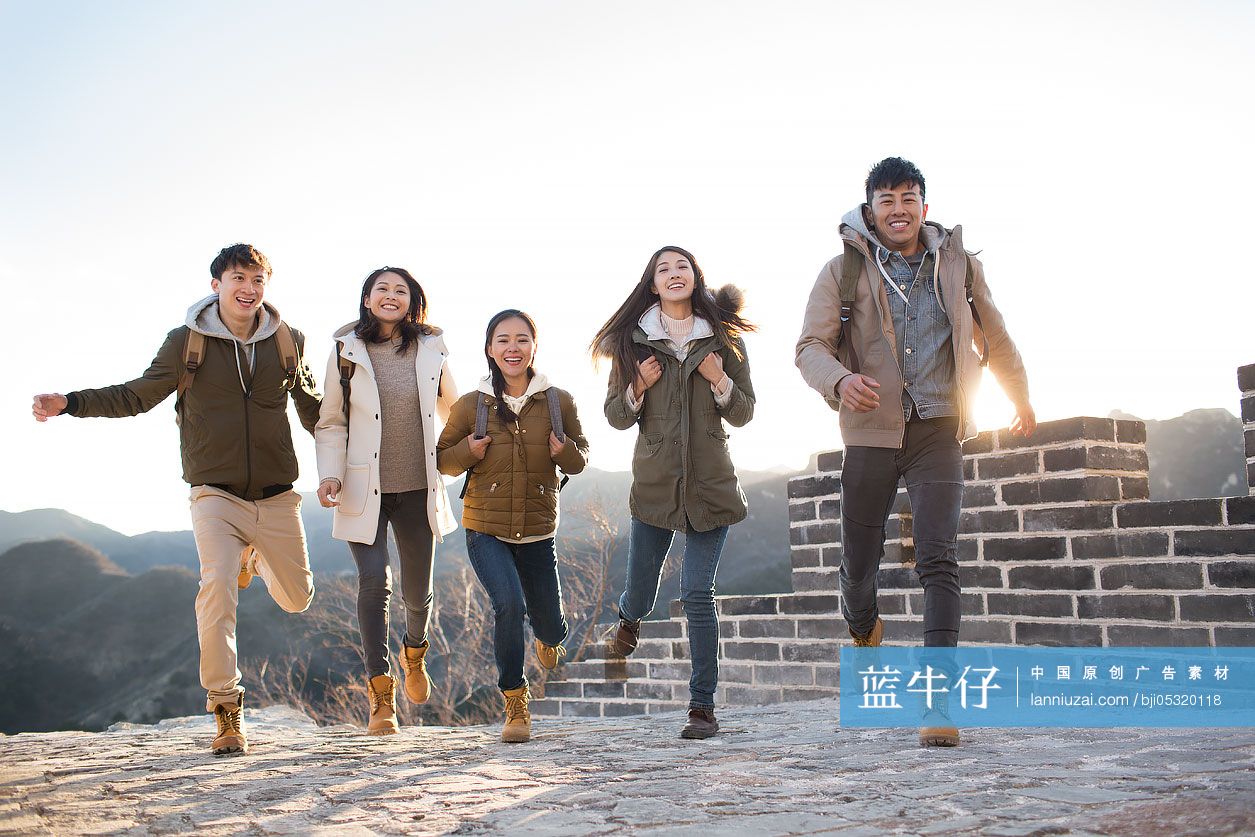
(900, 367)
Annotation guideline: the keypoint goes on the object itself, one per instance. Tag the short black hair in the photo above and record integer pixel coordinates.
(238, 255)
(892, 172)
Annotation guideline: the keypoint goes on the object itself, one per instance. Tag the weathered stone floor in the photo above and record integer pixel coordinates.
(776, 770)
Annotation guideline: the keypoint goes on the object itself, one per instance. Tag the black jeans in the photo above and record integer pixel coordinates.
(931, 462)
(407, 512)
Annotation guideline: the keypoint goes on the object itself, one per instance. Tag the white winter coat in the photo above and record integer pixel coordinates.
(350, 453)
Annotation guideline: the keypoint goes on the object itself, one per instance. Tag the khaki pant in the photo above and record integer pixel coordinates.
(224, 525)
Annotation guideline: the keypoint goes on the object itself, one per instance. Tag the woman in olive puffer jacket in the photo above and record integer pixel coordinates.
(510, 507)
(679, 372)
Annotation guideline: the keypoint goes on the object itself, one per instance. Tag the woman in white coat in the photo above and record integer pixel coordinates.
(388, 391)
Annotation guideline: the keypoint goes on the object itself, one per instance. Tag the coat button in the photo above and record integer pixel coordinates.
(518, 534)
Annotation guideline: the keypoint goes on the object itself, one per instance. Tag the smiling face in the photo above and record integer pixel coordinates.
(898, 214)
(389, 299)
(674, 279)
(512, 346)
(240, 292)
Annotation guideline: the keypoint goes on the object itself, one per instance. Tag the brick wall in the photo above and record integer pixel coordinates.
(1058, 545)
(1246, 383)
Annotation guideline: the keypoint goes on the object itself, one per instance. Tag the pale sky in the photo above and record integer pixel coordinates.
(534, 155)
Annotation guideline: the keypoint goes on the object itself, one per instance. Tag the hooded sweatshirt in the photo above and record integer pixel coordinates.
(921, 328)
(233, 423)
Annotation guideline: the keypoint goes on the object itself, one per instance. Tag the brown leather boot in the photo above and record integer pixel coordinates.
(872, 638)
(701, 724)
(417, 681)
(382, 690)
(518, 718)
(248, 568)
(549, 655)
(231, 740)
(937, 729)
(626, 637)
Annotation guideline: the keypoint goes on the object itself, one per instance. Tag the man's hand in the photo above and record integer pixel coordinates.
(648, 372)
(48, 405)
(556, 447)
(1025, 421)
(479, 447)
(329, 493)
(857, 392)
(711, 368)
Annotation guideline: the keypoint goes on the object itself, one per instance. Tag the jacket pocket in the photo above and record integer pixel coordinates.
(648, 444)
(719, 434)
(353, 492)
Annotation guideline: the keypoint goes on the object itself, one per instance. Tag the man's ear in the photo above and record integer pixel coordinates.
(924, 215)
(867, 216)
(215, 283)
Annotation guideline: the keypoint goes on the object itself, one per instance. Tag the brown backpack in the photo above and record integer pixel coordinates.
(194, 356)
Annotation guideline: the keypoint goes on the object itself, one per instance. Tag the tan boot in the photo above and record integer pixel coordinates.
(417, 682)
(872, 638)
(518, 719)
(247, 568)
(548, 655)
(383, 706)
(937, 729)
(231, 739)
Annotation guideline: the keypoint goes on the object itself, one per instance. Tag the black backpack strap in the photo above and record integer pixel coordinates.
(481, 417)
(851, 267)
(968, 281)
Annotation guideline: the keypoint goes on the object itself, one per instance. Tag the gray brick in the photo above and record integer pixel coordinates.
(1120, 545)
(769, 628)
(977, 496)
(580, 709)
(1217, 608)
(727, 629)
(891, 603)
(1246, 378)
(1216, 542)
(1007, 465)
(653, 649)
(802, 511)
(1097, 458)
(735, 672)
(826, 676)
(969, 469)
(1240, 510)
(549, 708)
(896, 578)
(1057, 634)
(1025, 549)
(1232, 574)
(829, 461)
(814, 581)
(980, 630)
(1134, 488)
(752, 696)
(616, 710)
(750, 650)
(807, 603)
(830, 510)
(1086, 428)
(970, 604)
(670, 671)
(560, 688)
(820, 628)
(1040, 604)
(904, 630)
(792, 693)
(1230, 637)
(989, 520)
(1069, 517)
(816, 486)
(604, 690)
(661, 629)
(1143, 576)
(1168, 513)
(1249, 436)
(809, 652)
(1061, 490)
(804, 556)
(746, 605)
(648, 691)
(1051, 578)
(1248, 408)
(819, 533)
(784, 675)
(980, 575)
(830, 556)
(968, 549)
(680, 649)
(1131, 431)
(1156, 635)
(1125, 606)
(981, 443)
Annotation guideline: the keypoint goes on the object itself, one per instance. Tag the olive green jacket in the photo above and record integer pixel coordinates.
(233, 433)
(682, 474)
(512, 493)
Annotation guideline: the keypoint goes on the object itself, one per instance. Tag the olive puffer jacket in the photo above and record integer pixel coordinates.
(512, 493)
(682, 473)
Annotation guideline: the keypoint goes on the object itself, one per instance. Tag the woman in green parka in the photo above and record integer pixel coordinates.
(679, 372)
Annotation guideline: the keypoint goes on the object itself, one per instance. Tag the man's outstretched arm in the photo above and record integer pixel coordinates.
(121, 400)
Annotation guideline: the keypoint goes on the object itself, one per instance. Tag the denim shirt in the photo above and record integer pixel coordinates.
(923, 336)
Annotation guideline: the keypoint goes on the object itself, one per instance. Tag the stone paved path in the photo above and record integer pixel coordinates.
(777, 770)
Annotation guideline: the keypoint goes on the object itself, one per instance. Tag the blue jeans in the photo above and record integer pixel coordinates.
(520, 579)
(647, 550)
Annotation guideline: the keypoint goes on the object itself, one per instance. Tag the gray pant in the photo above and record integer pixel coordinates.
(931, 462)
(407, 512)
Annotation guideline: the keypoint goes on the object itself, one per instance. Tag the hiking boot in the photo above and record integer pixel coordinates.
(872, 638)
(937, 729)
(701, 724)
(248, 567)
(518, 719)
(626, 637)
(417, 682)
(549, 655)
(382, 690)
(231, 739)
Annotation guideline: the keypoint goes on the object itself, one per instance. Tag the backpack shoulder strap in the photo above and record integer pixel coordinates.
(193, 356)
(851, 267)
(481, 416)
(968, 280)
(555, 413)
(289, 357)
(347, 368)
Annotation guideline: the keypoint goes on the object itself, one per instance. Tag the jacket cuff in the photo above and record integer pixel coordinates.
(629, 398)
(724, 398)
(71, 404)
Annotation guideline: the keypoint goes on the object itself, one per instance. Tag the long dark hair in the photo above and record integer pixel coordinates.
(411, 328)
(614, 341)
(498, 377)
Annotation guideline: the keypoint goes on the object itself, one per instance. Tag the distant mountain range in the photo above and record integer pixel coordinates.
(1199, 454)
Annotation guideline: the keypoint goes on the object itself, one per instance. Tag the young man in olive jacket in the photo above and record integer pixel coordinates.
(237, 453)
(900, 367)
